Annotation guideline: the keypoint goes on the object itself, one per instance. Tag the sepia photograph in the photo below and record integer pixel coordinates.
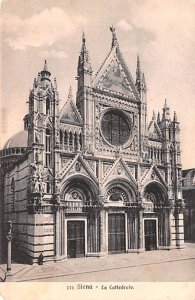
(97, 149)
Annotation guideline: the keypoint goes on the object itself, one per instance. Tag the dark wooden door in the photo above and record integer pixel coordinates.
(116, 233)
(150, 235)
(75, 239)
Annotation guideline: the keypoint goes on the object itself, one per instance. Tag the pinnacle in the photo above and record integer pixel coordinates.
(158, 117)
(45, 68)
(165, 105)
(175, 117)
(70, 93)
(83, 38)
(138, 70)
(138, 61)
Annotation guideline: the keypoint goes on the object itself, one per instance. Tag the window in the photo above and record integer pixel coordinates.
(115, 127)
(47, 106)
(48, 147)
(48, 185)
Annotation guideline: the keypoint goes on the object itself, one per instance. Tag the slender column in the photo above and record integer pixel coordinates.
(57, 235)
(140, 225)
(103, 233)
(62, 140)
(9, 247)
(73, 142)
(78, 143)
(68, 138)
(96, 233)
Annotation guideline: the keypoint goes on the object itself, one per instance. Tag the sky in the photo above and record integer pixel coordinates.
(161, 31)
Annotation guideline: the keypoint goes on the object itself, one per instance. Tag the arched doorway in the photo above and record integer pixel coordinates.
(119, 196)
(156, 216)
(81, 229)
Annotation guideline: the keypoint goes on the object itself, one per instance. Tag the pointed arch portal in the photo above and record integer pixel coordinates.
(157, 223)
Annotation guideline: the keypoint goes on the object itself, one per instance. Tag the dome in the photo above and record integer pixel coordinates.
(20, 140)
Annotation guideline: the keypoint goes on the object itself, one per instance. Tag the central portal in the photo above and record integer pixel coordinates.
(75, 239)
(116, 233)
(150, 235)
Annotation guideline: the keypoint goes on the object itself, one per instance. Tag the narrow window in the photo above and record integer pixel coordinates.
(48, 147)
(47, 106)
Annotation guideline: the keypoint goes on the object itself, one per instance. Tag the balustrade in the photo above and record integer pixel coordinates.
(70, 142)
(155, 154)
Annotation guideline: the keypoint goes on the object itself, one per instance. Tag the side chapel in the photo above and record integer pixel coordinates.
(94, 177)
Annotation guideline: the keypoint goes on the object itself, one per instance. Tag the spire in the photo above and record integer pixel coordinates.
(153, 116)
(158, 118)
(143, 82)
(165, 104)
(138, 76)
(55, 83)
(70, 94)
(165, 111)
(114, 38)
(45, 73)
(45, 66)
(84, 61)
(175, 117)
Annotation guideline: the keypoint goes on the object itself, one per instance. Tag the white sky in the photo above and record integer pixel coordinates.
(161, 31)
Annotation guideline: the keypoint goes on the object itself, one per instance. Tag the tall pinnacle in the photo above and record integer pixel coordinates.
(143, 82)
(158, 118)
(45, 73)
(165, 111)
(45, 68)
(84, 61)
(70, 93)
(165, 104)
(175, 117)
(138, 75)
(114, 38)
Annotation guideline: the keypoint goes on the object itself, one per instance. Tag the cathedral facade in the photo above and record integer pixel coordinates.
(94, 177)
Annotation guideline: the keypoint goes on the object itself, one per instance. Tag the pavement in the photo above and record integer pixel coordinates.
(87, 268)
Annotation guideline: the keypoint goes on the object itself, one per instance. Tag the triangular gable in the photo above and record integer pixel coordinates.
(114, 76)
(120, 168)
(69, 113)
(154, 131)
(152, 174)
(78, 166)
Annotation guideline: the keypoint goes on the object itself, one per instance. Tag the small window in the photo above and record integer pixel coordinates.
(47, 106)
(48, 147)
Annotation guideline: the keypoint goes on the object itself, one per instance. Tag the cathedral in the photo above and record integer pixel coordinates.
(94, 177)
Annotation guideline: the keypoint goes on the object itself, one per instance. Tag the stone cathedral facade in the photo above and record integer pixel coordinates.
(94, 177)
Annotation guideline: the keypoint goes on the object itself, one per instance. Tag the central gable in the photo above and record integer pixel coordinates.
(114, 76)
(114, 79)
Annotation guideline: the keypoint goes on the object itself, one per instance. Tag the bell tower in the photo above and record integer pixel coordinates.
(42, 124)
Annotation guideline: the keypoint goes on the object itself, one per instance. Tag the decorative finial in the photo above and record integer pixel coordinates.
(70, 93)
(138, 62)
(158, 117)
(154, 116)
(83, 38)
(114, 38)
(165, 105)
(55, 83)
(45, 68)
(175, 117)
(143, 81)
(138, 75)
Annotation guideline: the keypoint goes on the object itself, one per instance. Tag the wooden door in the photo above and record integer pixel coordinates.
(116, 233)
(75, 239)
(150, 235)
